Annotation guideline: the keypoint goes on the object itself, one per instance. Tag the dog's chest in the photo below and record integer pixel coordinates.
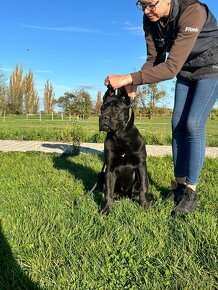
(125, 158)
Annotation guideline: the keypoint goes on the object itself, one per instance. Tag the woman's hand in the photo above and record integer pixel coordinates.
(116, 82)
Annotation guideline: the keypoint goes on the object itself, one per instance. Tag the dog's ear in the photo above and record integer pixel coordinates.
(109, 93)
(123, 93)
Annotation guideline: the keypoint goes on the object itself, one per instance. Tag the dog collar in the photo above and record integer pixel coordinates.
(130, 114)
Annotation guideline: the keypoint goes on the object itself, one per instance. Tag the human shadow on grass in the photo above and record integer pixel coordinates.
(84, 173)
(11, 275)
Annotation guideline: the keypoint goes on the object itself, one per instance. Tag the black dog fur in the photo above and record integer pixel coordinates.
(124, 150)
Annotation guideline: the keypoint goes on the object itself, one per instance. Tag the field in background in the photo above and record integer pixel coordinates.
(60, 127)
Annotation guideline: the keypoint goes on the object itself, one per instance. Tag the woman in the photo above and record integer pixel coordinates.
(182, 41)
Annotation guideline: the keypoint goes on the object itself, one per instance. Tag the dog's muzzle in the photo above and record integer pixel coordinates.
(104, 123)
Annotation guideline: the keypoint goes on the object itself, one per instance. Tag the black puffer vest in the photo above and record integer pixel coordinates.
(202, 62)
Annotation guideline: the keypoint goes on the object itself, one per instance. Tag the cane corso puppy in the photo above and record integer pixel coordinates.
(124, 150)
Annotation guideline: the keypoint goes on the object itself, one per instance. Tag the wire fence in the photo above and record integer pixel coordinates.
(66, 117)
(40, 117)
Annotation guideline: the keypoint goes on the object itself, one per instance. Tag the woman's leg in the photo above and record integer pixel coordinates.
(183, 92)
(193, 104)
(203, 98)
(183, 95)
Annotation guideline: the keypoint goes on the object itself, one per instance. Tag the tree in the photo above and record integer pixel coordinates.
(76, 103)
(148, 96)
(30, 96)
(15, 98)
(98, 103)
(66, 103)
(48, 98)
(83, 104)
(3, 93)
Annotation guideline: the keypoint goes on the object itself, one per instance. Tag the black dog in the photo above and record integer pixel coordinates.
(124, 150)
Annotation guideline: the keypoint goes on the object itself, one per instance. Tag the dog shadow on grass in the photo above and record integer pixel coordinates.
(81, 172)
(11, 275)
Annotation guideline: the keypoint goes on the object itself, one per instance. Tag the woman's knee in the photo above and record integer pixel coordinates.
(193, 127)
(177, 124)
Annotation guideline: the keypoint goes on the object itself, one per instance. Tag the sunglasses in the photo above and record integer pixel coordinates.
(150, 7)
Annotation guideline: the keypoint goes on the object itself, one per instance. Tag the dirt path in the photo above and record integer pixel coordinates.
(92, 148)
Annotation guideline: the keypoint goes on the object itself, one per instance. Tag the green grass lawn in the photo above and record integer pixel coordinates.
(53, 236)
(156, 131)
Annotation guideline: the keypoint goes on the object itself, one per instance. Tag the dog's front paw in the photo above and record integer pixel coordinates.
(144, 203)
(106, 209)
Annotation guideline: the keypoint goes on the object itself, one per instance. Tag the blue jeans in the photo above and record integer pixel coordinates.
(193, 104)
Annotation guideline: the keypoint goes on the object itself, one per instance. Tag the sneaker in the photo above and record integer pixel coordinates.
(176, 193)
(186, 203)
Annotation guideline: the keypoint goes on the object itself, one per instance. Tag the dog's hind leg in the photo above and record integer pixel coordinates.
(110, 181)
(143, 191)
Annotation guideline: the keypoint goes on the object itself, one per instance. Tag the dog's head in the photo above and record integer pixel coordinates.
(116, 111)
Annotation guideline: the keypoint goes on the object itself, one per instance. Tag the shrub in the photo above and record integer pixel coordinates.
(98, 137)
(77, 133)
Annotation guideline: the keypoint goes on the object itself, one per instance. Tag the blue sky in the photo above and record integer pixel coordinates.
(74, 44)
